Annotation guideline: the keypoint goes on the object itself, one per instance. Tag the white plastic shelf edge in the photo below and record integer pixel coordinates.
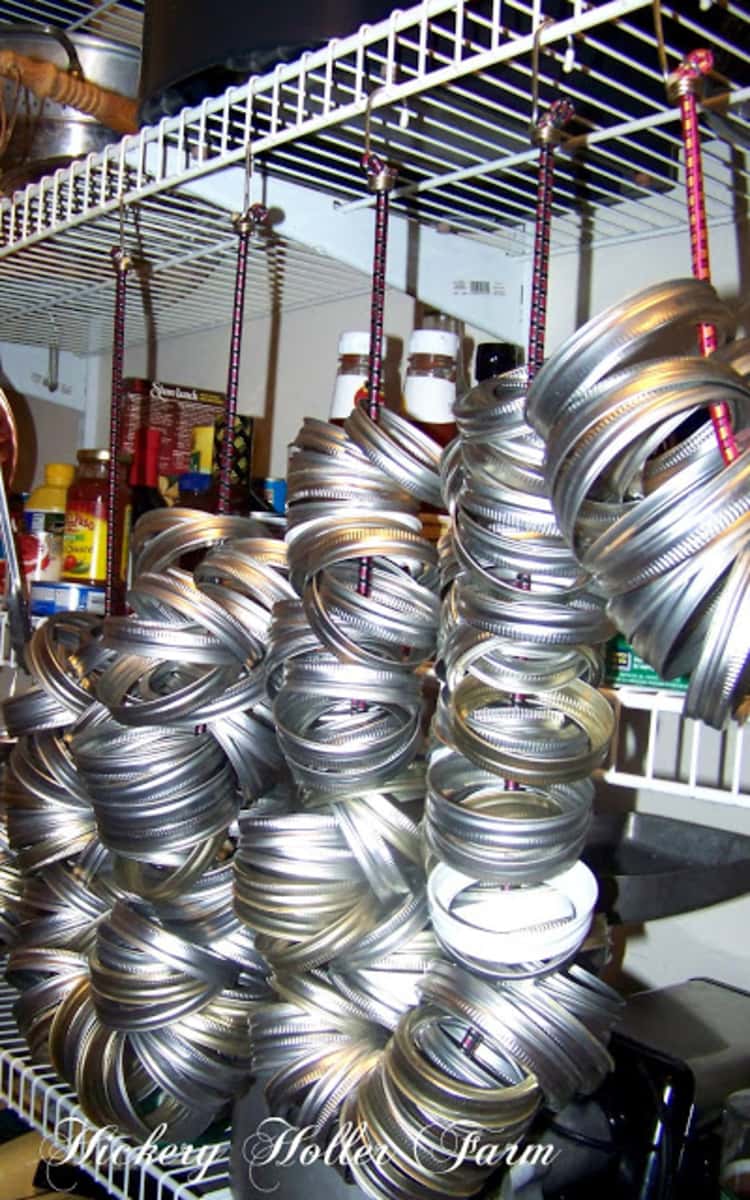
(35, 1093)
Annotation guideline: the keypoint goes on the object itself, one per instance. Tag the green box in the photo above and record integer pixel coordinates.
(623, 667)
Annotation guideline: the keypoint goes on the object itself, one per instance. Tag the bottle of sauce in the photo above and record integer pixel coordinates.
(41, 541)
(85, 531)
(16, 503)
(430, 383)
(434, 319)
(352, 374)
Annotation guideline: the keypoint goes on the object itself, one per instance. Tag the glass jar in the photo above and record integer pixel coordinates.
(352, 374)
(433, 319)
(84, 548)
(430, 383)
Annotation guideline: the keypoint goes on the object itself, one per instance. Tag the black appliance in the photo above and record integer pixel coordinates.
(651, 1132)
(198, 48)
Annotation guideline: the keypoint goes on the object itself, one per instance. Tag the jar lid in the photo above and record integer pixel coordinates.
(59, 474)
(354, 342)
(93, 456)
(434, 341)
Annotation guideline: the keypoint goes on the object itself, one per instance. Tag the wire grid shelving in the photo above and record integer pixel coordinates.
(119, 20)
(447, 85)
(656, 749)
(34, 1092)
(184, 255)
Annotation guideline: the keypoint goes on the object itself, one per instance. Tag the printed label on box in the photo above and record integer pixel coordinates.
(174, 410)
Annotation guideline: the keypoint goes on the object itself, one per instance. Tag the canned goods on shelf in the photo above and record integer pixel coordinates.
(274, 493)
(46, 599)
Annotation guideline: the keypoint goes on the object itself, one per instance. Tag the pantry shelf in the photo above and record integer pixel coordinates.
(119, 20)
(34, 1092)
(656, 749)
(448, 88)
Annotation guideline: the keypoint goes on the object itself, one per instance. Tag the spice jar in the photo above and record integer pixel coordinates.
(430, 384)
(352, 375)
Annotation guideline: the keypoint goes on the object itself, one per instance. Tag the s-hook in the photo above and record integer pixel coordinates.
(121, 263)
(545, 132)
(253, 214)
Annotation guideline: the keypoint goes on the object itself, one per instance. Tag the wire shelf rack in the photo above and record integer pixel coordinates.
(119, 20)
(34, 1092)
(184, 255)
(658, 750)
(448, 88)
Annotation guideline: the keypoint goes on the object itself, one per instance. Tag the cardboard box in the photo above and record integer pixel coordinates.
(172, 408)
(624, 668)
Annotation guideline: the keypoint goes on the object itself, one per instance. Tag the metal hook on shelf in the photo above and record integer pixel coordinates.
(253, 212)
(660, 43)
(569, 58)
(368, 120)
(52, 381)
(381, 175)
(120, 257)
(535, 52)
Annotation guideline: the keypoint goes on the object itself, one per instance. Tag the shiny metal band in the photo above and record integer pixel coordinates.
(150, 731)
(505, 932)
(339, 883)
(670, 556)
(539, 1025)
(328, 746)
(175, 1011)
(11, 887)
(332, 882)
(50, 814)
(476, 826)
(400, 450)
(556, 736)
(420, 1076)
(44, 978)
(616, 336)
(63, 904)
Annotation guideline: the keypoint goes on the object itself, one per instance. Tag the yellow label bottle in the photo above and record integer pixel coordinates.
(85, 533)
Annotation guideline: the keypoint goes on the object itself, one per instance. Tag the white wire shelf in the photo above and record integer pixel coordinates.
(34, 1092)
(449, 87)
(119, 20)
(658, 750)
(183, 279)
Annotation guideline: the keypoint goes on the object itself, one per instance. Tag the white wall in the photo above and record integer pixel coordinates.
(582, 286)
(50, 422)
(287, 366)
